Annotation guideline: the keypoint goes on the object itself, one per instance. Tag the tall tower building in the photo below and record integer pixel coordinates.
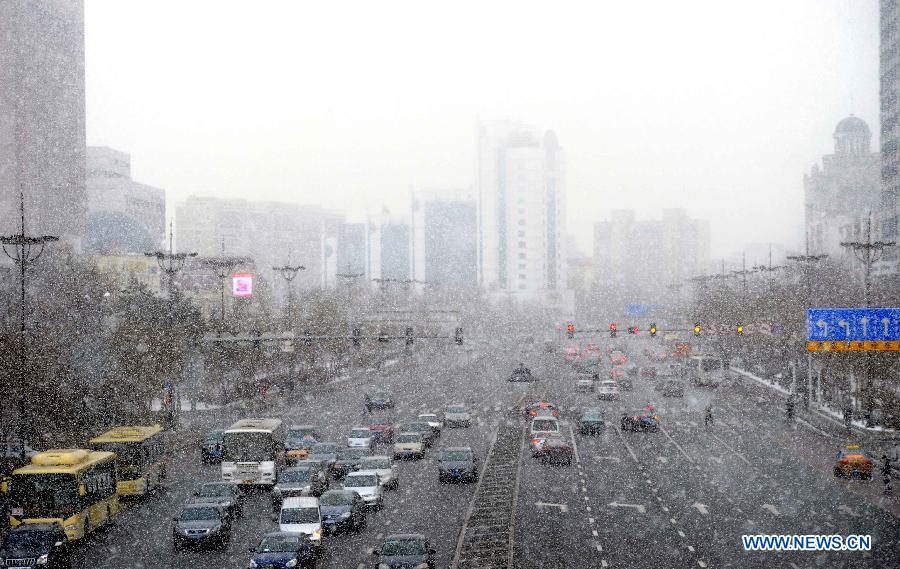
(42, 117)
(845, 188)
(520, 187)
(444, 237)
(890, 132)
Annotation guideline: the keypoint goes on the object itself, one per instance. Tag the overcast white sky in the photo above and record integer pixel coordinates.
(718, 106)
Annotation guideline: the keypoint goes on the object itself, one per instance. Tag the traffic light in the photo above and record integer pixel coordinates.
(256, 342)
(458, 337)
(570, 331)
(409, 336)
(653, 329)
(697, 329)
(357, 337)
(633, 330)
(382, 338)
(612, 330)
(307, 338)
(740, 330)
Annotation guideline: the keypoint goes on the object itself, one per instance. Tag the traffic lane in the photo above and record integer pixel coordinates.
(773, 494)
(142, 534)
(632, 521)
(553, 524)
(815, 499)
(421, 504)
(610, 488)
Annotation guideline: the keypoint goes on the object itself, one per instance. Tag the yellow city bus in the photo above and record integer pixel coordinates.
(75, 488)
(140, 457)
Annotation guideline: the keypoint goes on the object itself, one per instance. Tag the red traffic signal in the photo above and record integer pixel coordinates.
(570, 331)
(612, 330)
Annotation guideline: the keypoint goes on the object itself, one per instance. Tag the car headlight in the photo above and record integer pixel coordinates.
(252, 564)
(345, 515)
(317, 534)
(291, 563)
(42, 560)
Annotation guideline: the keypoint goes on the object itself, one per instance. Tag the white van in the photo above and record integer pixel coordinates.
(301, 514)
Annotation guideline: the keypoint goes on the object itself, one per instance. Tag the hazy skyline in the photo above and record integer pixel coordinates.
(352, 104)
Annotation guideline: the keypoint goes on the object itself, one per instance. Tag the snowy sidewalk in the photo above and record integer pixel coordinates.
(823, 413)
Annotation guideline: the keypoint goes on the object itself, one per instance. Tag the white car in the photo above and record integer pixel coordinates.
(367, 485)
(433, 421)
(457, 416)
(302, 515)
(360, 437)
(584, 382)
(409, 445)
(541, 429)
(608, 390)
(385, 468)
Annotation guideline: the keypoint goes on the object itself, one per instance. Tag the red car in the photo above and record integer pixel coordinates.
(648, 372)
(382, 429)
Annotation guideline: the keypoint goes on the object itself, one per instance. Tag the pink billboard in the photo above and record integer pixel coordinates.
(242, 284)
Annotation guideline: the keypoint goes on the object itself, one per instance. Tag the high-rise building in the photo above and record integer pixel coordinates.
(42, 117)
(844, 189)
(272, 234)
(445, 237)
(888, 217)
(351, 255)
(388, 248)
(636, 260)
(520, 186)
(123, 215)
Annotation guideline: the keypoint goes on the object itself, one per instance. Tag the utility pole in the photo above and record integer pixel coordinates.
(23, 256)
(171, 263)
(222, 267)
(288, 273)
(744, 272)
(868, 253)
(808, 261)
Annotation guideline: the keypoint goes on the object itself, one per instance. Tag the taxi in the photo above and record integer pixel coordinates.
(853, 462)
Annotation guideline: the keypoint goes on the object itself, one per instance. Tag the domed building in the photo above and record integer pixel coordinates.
(844, 189)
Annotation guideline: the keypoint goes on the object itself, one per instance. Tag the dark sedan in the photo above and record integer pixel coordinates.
(283, 549)
(643, 421)
(457, 464)
(325, 453)
(591, 422)
(201, 525)
(211, 449)
(405, 550)
(421, 427)
(227, 495)
(379, 400)
(342, 510)
(348, 459)
(557, 450)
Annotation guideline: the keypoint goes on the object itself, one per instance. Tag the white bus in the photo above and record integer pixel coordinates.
(253, 451)
(706, 370)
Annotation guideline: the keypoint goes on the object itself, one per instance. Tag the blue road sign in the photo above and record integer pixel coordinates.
(852, 324)
(641, 309)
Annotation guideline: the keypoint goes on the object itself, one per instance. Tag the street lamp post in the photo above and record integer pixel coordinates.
(170, 263)
(25, 252)
(289, 273)
(808, 260)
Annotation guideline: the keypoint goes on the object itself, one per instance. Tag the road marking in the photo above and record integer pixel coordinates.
(734, 452)
(673, 520)
(585, 498)
(564, 508)
(794, 565)
(772, 509)
(574, 445)
(624, 442)
(584, 489)
(681, 533)
(816, 429)
(678, 446)
(594, 532)
(640, 507)
(362, 565)
(848, 510)
(603, 563)
(612, 458)
(701, 563)
(665, 509)
(690, 548)
(700, 508)
(590, 520)
(658, 499)
(662, 459)
(599, 548)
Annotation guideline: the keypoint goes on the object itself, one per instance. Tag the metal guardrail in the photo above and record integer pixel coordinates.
(486, 538)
